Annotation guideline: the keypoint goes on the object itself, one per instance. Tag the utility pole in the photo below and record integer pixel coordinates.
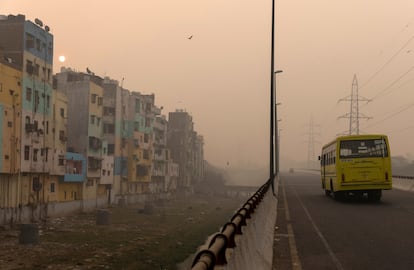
(311, 145)
(354, 115)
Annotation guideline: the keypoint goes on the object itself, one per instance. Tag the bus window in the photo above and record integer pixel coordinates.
(363, 148)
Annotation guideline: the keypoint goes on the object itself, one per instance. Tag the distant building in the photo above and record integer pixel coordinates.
(186, 149)
(165, 171)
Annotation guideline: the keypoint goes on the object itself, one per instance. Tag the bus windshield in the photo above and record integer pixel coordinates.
(363, 148)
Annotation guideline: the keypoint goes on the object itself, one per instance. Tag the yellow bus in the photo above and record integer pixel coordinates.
(356, 165)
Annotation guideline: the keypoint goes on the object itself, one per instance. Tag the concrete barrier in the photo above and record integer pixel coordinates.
(403, 184)
(254, 248)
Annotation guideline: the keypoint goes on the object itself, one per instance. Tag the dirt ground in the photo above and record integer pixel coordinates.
(158, 236)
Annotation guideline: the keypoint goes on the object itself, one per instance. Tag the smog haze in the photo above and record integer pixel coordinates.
(212, 59)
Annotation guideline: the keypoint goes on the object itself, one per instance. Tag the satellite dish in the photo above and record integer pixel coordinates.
(38, 22)
(89, 71)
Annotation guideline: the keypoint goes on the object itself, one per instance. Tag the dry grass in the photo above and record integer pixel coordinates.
(132, 240)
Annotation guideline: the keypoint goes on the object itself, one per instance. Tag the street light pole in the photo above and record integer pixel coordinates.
(273, 113)
(276, 124)
(277, 132)
(272, 97)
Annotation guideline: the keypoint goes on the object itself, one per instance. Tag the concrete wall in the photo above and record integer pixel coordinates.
(36, 212)
(254, 249)
(403, 184)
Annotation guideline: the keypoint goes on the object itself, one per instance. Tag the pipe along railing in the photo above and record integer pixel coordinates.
(207, 259)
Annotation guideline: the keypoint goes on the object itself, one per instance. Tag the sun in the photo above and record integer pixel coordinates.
(62, 58)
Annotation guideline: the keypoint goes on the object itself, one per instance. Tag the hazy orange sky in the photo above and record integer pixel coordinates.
(222, 75)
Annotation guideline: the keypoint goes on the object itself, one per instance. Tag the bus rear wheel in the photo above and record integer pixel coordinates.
(374, 195)
(338, 195)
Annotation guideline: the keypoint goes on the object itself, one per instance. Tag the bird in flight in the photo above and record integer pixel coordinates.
(190, 37)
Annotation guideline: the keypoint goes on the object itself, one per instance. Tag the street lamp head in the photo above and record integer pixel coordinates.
(278, 71)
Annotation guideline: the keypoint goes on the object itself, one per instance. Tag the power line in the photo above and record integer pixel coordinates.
(394, 82)
(386, 63)
(399, 130)
(406, 107)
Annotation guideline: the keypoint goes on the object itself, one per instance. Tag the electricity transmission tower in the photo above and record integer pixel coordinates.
(354, 115)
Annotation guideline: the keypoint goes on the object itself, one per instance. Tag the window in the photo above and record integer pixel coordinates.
(111, 149)
(93, 98)
(146, 154)
(26, 152)
(363, 148)
(137, 105)
(29, 67)
(100, 100)
(109, 111)
(136, 126)
(29, 94)
(38, 47)
(92, 119)
(62, 135)
(46, 151)
(52, 187)
(36, 97)
(146, 138)
(36, 69)
(62, 112)
(108, 128)
(61, 161)
(9, 124)
(35, 151)
(98, 121)
(30, 41)
(36, 185)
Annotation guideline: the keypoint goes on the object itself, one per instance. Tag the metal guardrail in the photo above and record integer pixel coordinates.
(403, 176)
(207, 259)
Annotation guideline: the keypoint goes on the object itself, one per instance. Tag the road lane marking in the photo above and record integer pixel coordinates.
(296, 264)
(318, 232)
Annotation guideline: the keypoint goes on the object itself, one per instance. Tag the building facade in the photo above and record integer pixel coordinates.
(74, 140)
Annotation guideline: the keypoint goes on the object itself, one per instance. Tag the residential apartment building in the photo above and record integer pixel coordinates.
(76, 140)
(111, 172)
(10, 125)
(29, 46)
(186, 149)
(198, 168)
(165, 172)
(140, 119)
(85, 130)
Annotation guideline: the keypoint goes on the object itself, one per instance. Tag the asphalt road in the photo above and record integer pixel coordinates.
(316, 232)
